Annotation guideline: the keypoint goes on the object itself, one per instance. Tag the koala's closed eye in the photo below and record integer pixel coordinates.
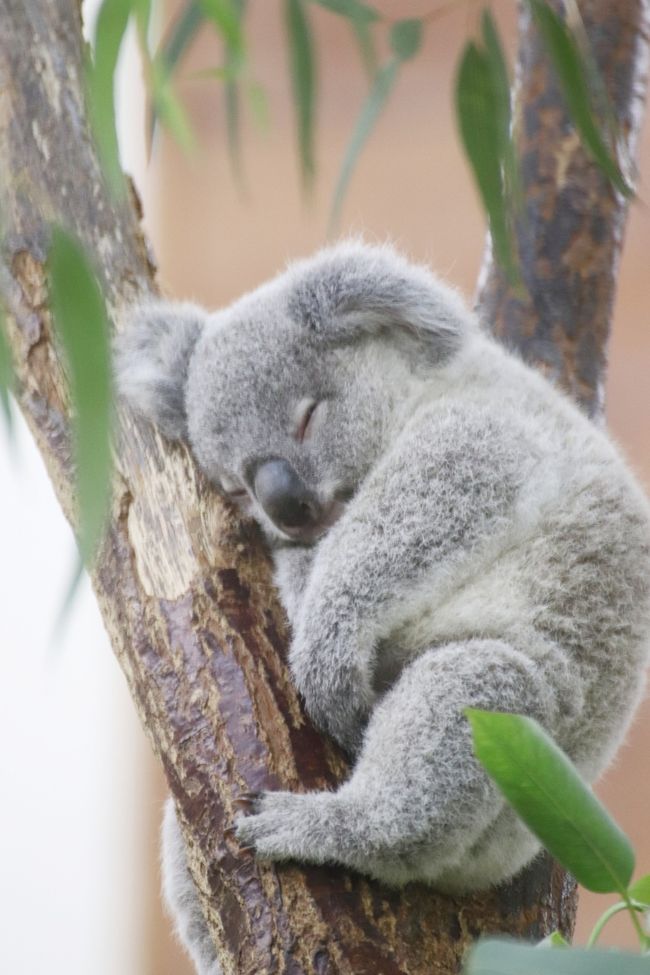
(309, 416)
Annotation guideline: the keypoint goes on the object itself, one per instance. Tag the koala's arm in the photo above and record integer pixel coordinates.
(446, 486)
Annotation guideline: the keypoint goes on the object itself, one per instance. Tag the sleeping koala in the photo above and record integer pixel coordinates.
(448, 530)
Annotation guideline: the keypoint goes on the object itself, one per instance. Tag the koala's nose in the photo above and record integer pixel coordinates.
(284, 496)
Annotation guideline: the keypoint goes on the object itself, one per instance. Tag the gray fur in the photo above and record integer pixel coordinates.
(490, 549)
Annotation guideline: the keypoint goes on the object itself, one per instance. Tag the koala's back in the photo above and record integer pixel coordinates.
(562, 572)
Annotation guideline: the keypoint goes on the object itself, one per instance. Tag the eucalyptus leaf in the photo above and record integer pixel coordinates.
(110, 28)
(179, 37)
(366, 45)
(6, 374)
(371, 109)
(546, 790)
(573, 77)
(640, 890)
(82, 326)
(224, 14)
(303, 77)
(510, 958)
(481, 128)
(406, 38)
(233, 64)
(352, 9)
(554, 940)
(169, 109)
(501, 85)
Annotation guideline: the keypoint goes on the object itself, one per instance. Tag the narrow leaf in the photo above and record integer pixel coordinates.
(481, 126)
(82, 326)
(234, 63)
(545, 788)
(168, 108)
(406, 38)
(365, 43)
(640, 890)
(303, 76)
(501, 84)
(110, 27)
(180, 35)
(573, 77)
(6, 374)
(352, 9)
(377, 98)
(170, 53)
(224, 14)
(510, 958)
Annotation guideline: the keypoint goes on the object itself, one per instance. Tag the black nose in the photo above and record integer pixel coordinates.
(284, 496)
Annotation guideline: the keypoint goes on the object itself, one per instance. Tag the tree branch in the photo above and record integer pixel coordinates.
(186, 591)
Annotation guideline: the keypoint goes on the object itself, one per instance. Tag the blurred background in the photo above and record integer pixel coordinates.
(82, 793)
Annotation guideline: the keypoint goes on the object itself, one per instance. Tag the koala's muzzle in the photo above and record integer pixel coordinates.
(286, 499)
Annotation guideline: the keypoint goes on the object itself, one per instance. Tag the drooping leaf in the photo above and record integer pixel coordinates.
(511, 958)
(573, 78)
(174, 46)
(168, 108)
(406, 38)
(365, 43)
(110, 28)
(501, 85)
(546, 790)
(352, 9)
(370, 111)
(82, 326)
(640, 890)
(225, 15)
(6, 374)
(303, 77)
(234, 60)
(180, 35)
(481, 128)
(361, 17)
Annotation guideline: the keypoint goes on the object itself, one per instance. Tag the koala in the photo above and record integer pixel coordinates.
(448, 530)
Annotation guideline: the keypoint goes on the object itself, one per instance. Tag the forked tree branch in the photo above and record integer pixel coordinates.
(185, 590)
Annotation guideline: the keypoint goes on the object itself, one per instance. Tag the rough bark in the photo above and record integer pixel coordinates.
(185, 590)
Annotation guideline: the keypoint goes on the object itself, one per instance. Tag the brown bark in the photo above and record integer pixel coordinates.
(185, 590)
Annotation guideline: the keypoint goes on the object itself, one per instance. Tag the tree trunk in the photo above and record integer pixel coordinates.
(185, 590)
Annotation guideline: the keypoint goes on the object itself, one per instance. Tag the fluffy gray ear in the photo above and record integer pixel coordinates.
(152, 357)
(353, 288)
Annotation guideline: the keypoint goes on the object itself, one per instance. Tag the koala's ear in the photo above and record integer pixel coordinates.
(352, 289)
(151, 361)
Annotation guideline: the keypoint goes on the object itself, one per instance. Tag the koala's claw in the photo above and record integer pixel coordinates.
(247, 800)
(288, 826)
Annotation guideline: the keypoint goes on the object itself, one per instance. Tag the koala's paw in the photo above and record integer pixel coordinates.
(289, 826)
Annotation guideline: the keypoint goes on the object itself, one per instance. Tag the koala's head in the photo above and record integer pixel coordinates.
(291, 395)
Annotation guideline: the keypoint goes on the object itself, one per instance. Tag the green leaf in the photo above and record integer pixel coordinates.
(168, 108)
(82, 326)
(406, 38)
(640, 890)
(180, 35)
(545, 788)
(510, 958)
(366, 46)
(170, 53)
(111, 24)
(303, 76)
(573, 77)
(352, 9)
(372, 107)
(224, 14)
(481, 127)
(6, 374)
(234, 64)
(501, 85)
